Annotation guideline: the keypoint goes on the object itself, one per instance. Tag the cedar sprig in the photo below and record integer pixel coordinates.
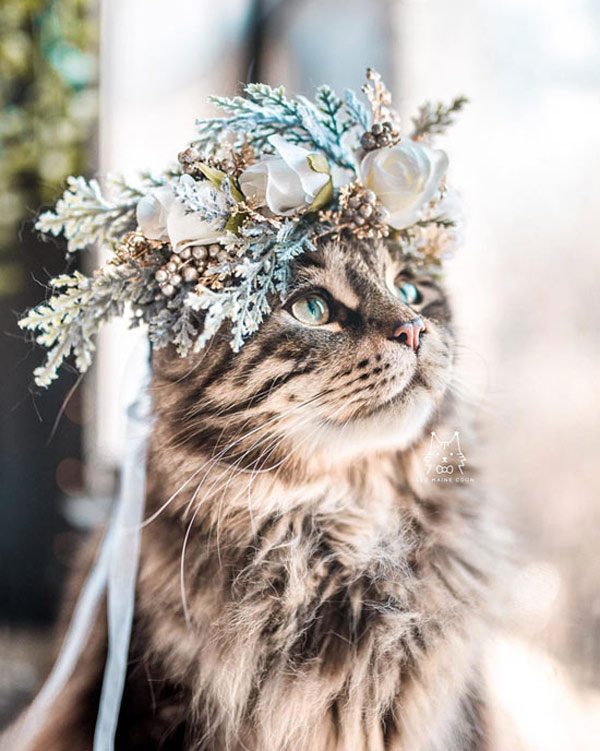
(265, 111)
(87, 215)
(434, 119)
(261, 270)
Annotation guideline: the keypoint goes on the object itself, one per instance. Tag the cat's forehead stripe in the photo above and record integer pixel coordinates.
(350, 277)
(337, 285)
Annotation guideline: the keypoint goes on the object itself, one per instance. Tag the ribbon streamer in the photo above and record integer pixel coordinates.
(124, 560)
(114, 572)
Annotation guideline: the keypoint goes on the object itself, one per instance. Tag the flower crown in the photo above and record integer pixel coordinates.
(212, 239)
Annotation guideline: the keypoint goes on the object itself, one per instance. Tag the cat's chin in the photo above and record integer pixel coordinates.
(395, 425)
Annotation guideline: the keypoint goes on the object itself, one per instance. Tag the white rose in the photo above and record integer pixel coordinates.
(288, 181)
(404, 178)
(161, 216)
(152, 211)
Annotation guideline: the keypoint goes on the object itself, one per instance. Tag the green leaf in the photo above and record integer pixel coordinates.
(212, 174)
(236, 192)
(216, 176)
(323, 197)
(318, 163)
(234, 223)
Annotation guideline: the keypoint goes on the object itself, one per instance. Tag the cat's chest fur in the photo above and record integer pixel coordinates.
(313, 623)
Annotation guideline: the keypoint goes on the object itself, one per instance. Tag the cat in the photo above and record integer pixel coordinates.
(299, 588)
(445, 457)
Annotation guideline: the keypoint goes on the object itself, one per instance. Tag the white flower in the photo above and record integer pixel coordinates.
(289, 181)
(152, 212)
(162, 216)
(404, 177)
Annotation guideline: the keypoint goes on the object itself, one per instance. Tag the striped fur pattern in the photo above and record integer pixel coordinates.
(302, 588)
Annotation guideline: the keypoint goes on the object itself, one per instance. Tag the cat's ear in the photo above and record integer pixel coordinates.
(455, 440)
(433, 437)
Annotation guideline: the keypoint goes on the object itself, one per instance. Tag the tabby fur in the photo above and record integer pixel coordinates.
(303, 585)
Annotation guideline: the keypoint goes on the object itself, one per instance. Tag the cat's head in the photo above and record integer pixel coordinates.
(357, 357)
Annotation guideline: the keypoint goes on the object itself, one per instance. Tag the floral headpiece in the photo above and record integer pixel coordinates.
(212, 240)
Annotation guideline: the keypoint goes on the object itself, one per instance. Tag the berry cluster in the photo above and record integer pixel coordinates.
(380, 135)
(230, 161)
(361, 212)
(188, 265)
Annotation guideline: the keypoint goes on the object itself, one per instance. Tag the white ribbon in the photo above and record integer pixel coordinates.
(115, 572)
(124, 555)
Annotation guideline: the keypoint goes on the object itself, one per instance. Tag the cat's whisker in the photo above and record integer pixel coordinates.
(272, 438)
(168, 502)
(275, 418)
(194, 474)
(275, 441)
(184, 548)
(184, 602)
(214, 459)
(468, 395)
(187, 374)
(295, 449)
(208, 491)
(262, 426)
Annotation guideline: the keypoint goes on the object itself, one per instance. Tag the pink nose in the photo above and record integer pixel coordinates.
(409, 333)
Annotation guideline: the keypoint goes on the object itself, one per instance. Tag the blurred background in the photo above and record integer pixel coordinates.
(90, 86)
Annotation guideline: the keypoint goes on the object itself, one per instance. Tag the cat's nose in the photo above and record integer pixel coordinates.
(409, 333)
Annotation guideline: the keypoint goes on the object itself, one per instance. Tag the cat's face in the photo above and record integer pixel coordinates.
(358, 357)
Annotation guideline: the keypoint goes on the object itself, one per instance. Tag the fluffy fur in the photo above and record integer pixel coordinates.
(304, 586)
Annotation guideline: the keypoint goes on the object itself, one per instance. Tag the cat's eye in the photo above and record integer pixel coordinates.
(311, 310)
(408, 293)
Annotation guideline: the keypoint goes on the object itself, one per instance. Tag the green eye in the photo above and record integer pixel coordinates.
(311, 310)
(408, 293)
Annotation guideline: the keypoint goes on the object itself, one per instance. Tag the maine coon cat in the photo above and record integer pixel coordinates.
(303, 585)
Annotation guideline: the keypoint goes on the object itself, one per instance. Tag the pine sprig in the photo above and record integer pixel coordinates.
(333, 116)
(434, 119)
(357, 112)
(67, 323)
(214, 206)
(262, 272)
(265, 111)
(171, 321)
(85, 215)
